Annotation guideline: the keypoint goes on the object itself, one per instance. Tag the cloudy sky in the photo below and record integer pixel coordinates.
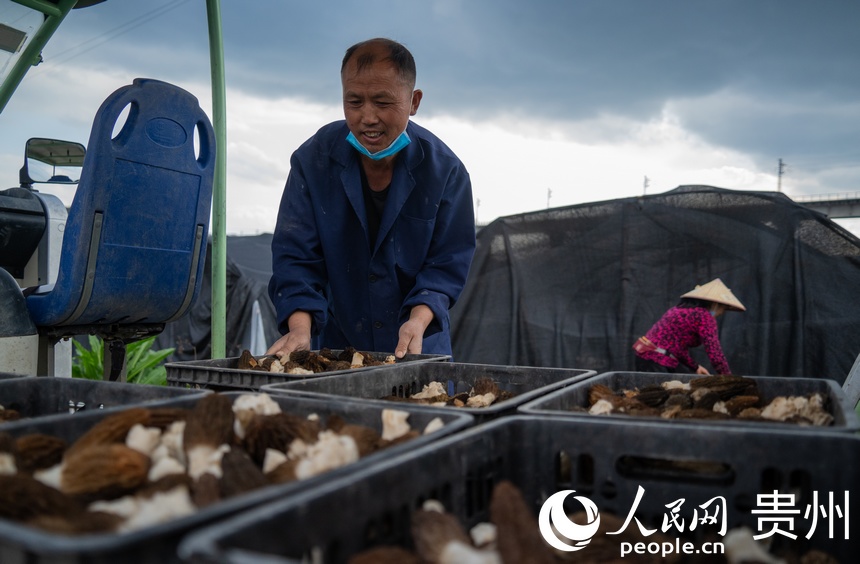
(547, 102)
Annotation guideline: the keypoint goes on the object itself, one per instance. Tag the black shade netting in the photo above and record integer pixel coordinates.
(248, 269)
(576, 286)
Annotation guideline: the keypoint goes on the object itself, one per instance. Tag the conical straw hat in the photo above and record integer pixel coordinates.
(716, 291)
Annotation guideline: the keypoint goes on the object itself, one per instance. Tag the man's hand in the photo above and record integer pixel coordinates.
(411, 335)
(298, 338)
(702, 370)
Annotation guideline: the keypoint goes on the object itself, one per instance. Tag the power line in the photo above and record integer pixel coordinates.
(110, 34)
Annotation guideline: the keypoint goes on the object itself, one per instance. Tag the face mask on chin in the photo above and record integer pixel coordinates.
(396, 145)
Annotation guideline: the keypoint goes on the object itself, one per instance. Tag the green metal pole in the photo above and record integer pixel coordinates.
(219, 190)
(48, 8)
(56, 13)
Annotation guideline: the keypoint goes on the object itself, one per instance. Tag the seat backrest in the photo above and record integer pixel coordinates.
(135, 239)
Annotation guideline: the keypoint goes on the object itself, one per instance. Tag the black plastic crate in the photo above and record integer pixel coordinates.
(224, 375)
(526, 383)
(22, 544)
(574, 399)
(9, 375)
(46, 396)
(605, 461)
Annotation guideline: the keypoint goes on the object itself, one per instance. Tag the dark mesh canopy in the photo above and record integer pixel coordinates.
(249, 267)
(575, 286)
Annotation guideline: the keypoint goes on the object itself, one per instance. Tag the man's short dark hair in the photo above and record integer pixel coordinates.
(397, 54)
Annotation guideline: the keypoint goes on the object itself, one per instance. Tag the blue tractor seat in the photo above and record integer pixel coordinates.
(135, 239)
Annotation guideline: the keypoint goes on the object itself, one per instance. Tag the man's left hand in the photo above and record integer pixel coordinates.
(411, 335)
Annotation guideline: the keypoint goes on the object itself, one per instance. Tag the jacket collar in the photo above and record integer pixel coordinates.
(402, 181)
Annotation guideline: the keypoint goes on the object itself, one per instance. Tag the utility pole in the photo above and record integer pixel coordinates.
(477, 209)
(780, 170)
(548, 196)
(645, 184)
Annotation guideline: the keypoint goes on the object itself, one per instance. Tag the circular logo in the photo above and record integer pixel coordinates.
(579, 535)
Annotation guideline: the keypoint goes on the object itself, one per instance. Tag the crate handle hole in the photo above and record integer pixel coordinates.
(609, 490)
(800, 482)
(585, 469)
(771, 479)
(563, 468)
(643, 467)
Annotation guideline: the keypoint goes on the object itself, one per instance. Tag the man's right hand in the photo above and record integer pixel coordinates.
(298, 338)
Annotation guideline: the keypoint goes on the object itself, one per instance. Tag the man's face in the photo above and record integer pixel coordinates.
(377, 103)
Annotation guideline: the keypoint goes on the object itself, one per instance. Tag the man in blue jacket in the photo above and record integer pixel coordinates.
(376, 229)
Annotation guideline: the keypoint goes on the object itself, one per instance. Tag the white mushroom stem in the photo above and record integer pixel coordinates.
(143, 439)
(433, 505)
(160, 508)
(394, 424)
(811, 408)
(247, 406)
(203, 459)
(601, 407)
(273, 459)
(675, 385)
(456, 552)
(7, 464)
(483, 535)
(171, 443)
(165, 466)
(434, 425)
(481, 400)
(330, 451)
(430, 390)
(125, 506)
(50, 476)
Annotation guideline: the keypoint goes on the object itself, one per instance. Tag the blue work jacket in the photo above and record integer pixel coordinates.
(358, 293)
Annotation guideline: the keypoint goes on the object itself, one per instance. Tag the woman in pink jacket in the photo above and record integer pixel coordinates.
(689, 324)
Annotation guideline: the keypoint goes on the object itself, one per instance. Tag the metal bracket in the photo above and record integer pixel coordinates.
(851, 386)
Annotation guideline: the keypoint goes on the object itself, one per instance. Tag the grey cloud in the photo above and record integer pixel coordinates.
(544, 56)
(790, 65)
